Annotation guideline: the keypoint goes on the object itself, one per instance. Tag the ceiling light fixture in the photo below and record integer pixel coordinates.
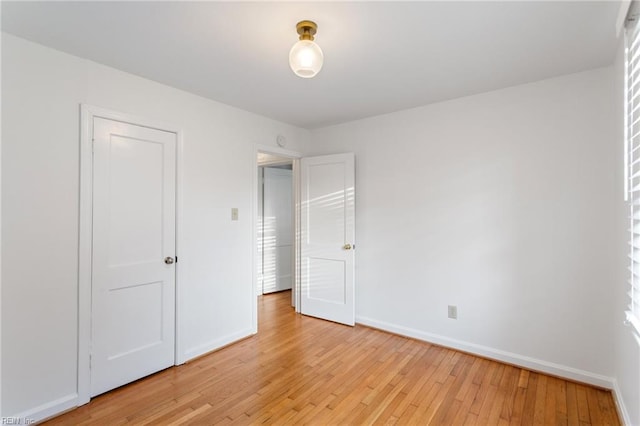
(305, 57)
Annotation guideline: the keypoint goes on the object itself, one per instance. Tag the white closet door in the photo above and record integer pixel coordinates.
(133, 271)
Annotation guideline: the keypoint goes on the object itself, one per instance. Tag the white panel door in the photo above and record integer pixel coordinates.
(133, 270)
(327, 237)
(277, 236)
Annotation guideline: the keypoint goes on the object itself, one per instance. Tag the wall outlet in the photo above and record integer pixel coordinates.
(452, 312)
(234, 213)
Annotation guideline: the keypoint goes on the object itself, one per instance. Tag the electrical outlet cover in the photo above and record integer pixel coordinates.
(452, 312)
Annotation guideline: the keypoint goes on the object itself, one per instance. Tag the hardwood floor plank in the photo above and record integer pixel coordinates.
(518, 406)
(447, 409)
(301, 370)
(550, 402)
(607, 408)
(389, 394)
(541, 399)
(487, 373)
(475, 366)
(561, 402)
(594, 406)
(463, 411)
(191, 416)
(508, 388)
(523, 380)
(583, 405)
(572, 404)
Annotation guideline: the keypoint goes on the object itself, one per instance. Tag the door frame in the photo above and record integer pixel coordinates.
(295, 158)
(85, 241)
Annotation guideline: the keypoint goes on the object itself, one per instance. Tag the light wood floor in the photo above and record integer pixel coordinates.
(303, 370)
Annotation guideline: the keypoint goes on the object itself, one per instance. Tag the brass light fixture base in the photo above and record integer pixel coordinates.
(306, 29)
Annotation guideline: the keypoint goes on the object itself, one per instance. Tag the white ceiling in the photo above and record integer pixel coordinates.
(379, 56)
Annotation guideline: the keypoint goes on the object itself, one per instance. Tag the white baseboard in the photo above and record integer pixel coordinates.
(497, 354)
(47, 410)
(622, 409)
(216, 344)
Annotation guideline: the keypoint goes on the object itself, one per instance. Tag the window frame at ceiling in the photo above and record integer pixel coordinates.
(632, 163)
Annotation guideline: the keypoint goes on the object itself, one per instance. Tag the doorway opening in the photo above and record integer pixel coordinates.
(276, 220)
(322, 257)
(275, 224)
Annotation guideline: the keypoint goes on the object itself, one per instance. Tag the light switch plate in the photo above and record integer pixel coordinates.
(234, 213)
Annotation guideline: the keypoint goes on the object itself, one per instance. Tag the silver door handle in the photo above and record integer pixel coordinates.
(168, 260)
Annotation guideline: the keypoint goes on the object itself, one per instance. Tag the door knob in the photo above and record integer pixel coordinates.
(347, 246)
(168, 260)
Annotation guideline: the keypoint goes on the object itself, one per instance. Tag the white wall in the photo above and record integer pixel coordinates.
(627, 348)
(42, 93)
(501, 204)
(40, 114)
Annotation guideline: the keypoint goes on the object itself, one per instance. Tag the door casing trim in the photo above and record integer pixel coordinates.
(85, 216)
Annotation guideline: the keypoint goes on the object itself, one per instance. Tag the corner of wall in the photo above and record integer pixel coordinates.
(623, 413)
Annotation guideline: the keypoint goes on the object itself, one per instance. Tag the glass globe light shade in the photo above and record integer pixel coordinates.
(305, 58)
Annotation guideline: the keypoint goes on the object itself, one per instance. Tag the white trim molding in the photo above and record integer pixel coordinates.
(496, 354)
(181, 277)
(623, 413)
(274, 150)
(87, 114)
(46, 410)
